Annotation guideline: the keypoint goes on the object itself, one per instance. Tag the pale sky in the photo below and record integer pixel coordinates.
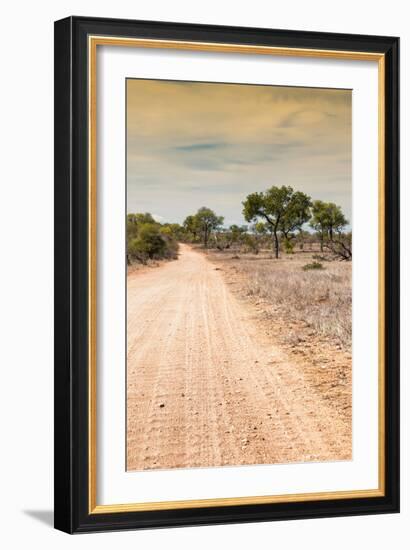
(200, 144)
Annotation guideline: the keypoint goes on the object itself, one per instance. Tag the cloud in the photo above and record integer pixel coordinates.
(190, 144)
(199, 147)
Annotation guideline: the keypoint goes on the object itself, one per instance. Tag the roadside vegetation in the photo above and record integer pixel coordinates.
(149, 240)
(294, 254)
(279, 219)
(318, 297)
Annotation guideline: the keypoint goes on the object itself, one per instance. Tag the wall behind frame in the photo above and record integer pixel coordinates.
(26, 218)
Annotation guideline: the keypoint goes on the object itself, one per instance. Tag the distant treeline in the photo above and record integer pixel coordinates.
(277, 218)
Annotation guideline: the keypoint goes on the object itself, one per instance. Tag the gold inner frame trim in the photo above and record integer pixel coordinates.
(93, 42)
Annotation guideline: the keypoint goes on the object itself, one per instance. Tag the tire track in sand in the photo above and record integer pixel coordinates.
(205, 388)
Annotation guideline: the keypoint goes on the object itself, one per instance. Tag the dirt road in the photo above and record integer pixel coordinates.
(206, 387)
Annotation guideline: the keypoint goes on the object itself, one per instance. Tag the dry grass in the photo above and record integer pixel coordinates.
(137, 267)
(320, 298)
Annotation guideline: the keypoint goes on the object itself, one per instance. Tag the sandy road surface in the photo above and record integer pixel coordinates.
(206, 388)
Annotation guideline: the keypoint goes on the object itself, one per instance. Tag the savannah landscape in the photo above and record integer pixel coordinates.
(236, 356)
(239, 256)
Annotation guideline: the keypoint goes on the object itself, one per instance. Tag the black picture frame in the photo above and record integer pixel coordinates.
(71, 419)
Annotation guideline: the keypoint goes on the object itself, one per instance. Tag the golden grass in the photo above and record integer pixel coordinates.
(320, 298)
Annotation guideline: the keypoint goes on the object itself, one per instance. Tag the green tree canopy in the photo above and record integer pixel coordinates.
(203, 223)
(296, 214)
(260, 228)
(327, 219)
(191, 226)
(149, 243)
(148, 239)
(140, 218)
(236, 232)
(281, 208)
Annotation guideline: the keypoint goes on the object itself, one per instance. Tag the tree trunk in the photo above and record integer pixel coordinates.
(302, 241)
(276, 240)
(321, 242)
(206, 238)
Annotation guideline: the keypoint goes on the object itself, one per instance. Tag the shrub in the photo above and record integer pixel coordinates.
(313, 265)
(289, 246)
(250, 244)
(321, 257)
(147, 240)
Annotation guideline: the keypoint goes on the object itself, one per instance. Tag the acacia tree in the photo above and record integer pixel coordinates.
(341, 245)
(191, 226)
(296, 215)
(236, 233)
(225, 238)
(208, 221)
(173, 230)
(318, 221)
(329, 222)
(283, 210)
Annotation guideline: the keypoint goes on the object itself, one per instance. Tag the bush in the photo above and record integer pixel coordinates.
(250, 244)
(321, 257)
(146, 240)
(289, 246)
(313, 265)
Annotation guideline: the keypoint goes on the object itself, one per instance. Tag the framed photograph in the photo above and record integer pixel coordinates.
(226, 274)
